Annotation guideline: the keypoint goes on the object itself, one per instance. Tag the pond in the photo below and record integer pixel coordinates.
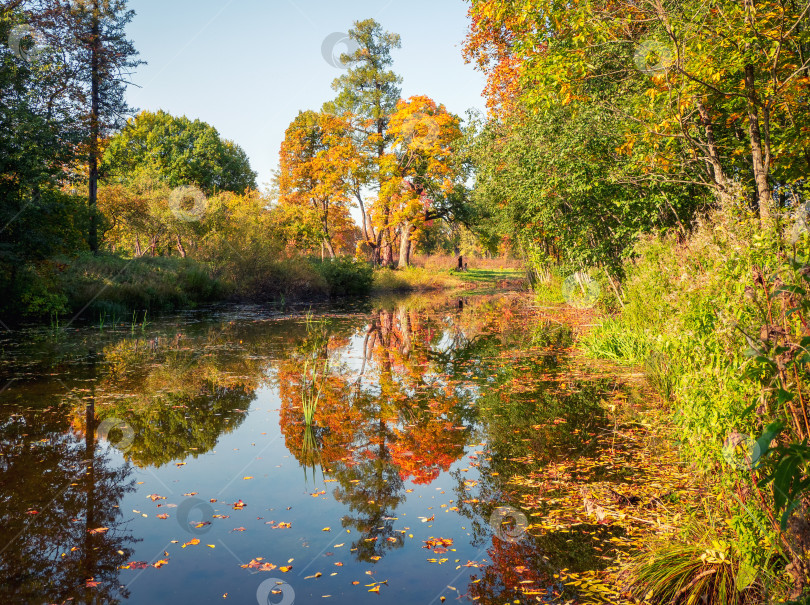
(276, 456)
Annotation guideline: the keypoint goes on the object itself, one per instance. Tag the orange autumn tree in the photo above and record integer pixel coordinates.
(425, 175)
(493, 44)
(316, 161)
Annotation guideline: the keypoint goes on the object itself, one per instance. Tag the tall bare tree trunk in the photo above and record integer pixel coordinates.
(327, 241)
(387, 249)
(757, 155)
(180, 247)
(95, 50)
(713, 156)
(405, 245)
(368, 231)
(759, 159)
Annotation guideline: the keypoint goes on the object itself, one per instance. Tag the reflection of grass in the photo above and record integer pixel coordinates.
(310, 450)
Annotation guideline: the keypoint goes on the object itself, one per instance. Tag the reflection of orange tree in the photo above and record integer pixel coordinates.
(336, 420)
(516, 572)
(432, 442)
(396, 421)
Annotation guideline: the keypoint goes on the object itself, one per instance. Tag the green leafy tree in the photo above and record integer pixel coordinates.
(369, 91)
(180, 152)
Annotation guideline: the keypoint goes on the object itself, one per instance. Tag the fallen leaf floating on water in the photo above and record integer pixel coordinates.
(160, 563)
(327, 529)
(247, 478)
(91, 583)
(221, 517)
(375, 589)
(259, 566)
(188, 495)
(98, 530)
(239, 505)
(200, 524)
(163, 516)
(438, 545)
(137, 565)
(285, 569)
(156, 497)
(239, 529)
(192, 542)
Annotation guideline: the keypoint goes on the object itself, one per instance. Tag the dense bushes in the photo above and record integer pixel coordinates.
(346, 276)
(707, 317)
(116, 286)
(107, 285)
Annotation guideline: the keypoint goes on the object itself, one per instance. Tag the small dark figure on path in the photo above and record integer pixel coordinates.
(461, 263)
(465, 267)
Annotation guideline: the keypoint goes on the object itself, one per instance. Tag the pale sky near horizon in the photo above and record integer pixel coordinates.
(248, 67)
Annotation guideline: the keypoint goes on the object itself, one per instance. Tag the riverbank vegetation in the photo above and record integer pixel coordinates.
(655, 156)
(650, 160)
(169, 210)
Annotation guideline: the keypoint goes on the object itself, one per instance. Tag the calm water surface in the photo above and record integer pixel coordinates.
(168, 462)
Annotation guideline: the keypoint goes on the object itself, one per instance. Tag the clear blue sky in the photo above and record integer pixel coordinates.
(248, 66)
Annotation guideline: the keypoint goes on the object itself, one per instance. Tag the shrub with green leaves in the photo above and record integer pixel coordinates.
(346, 276)
(725, 358)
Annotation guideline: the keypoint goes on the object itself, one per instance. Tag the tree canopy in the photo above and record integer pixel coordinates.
(180, 151)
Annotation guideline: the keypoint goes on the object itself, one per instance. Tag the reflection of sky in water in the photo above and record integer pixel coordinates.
(231, 448)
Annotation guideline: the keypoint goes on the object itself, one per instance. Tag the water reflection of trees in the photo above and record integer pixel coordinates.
(401, 413)
(63, 538)
(179, 395)
(58, 489)
(396, 408)
(535, 413)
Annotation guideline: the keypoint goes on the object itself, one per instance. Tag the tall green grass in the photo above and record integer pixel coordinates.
(683, 305)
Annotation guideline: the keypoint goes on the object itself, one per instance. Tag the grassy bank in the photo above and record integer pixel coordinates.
(718, 321)
(421, 279)
(108, 285)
